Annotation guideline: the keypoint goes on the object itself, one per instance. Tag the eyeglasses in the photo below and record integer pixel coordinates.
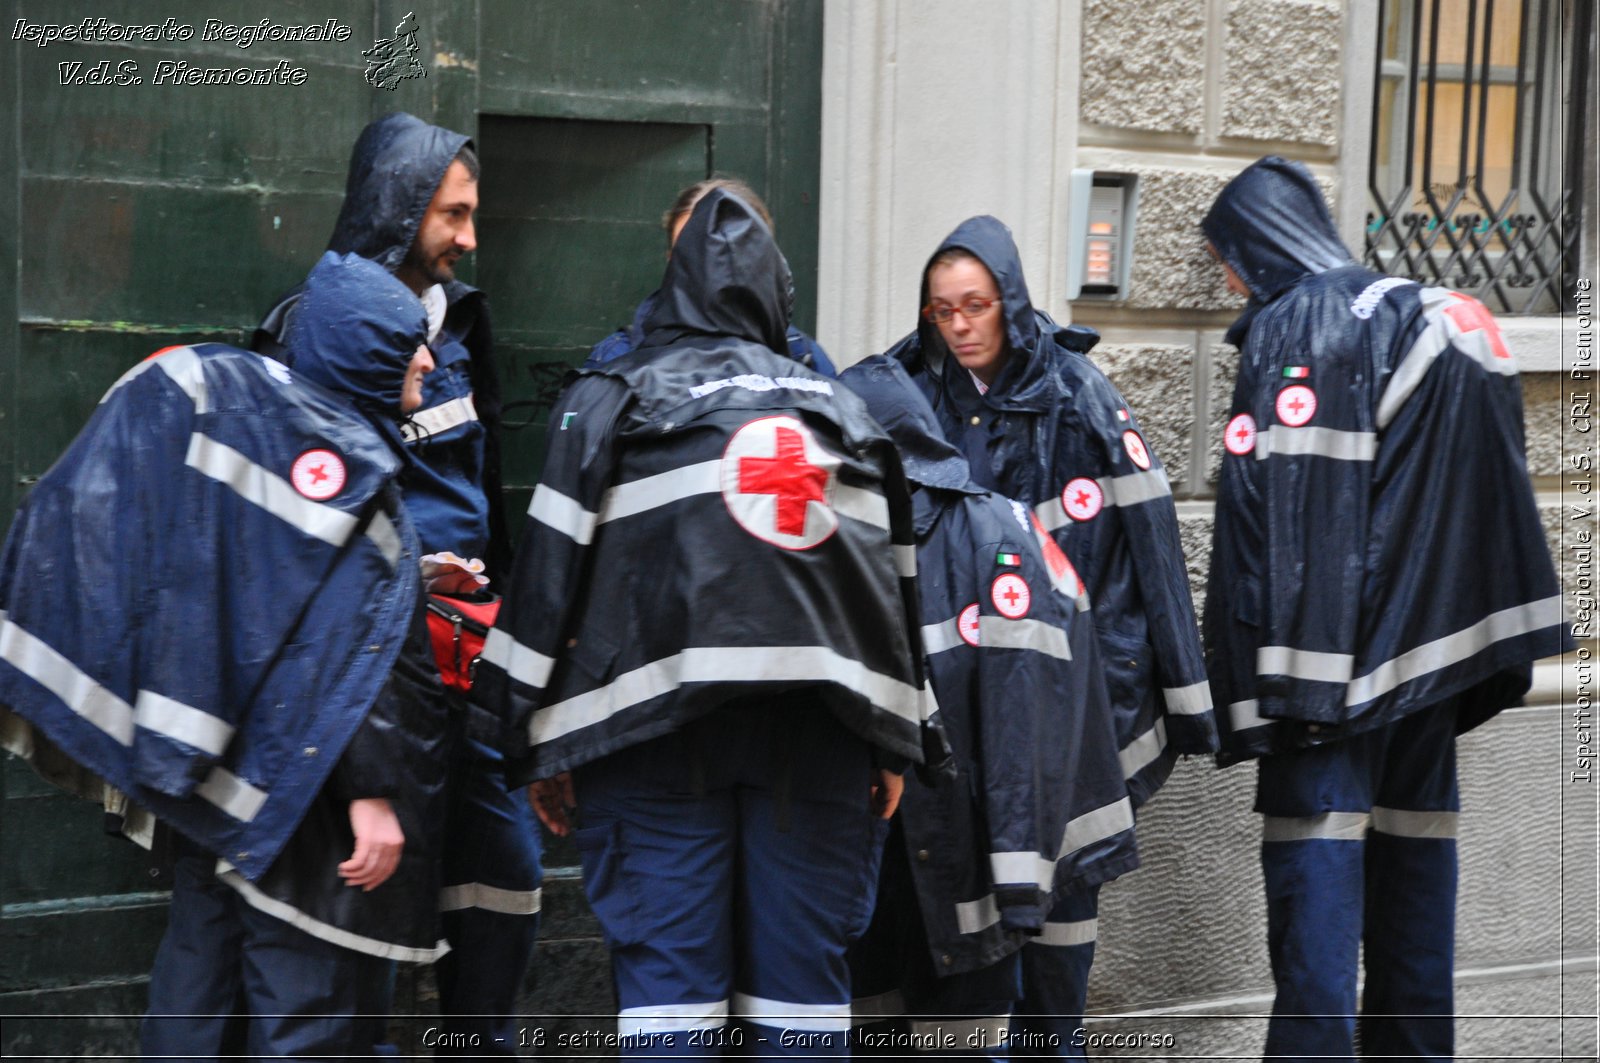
(970, 309)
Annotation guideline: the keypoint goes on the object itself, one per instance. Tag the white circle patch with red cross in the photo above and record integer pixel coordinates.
(778, 482)
(1296, 405)
(318, 474)
(1133, 443)
(1240, 435)
(1010, 595)
(1082, 498)
(967, 624)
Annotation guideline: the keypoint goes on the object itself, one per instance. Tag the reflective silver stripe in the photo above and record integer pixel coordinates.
(1036, 635)
(1321, 442)
(668, 1018)
(386, 537)
(184, 368)
(1051, 514)
(231, 794)
(928, 706)
(189, 725)
(1144, 750)
(318, 929)
(437, 420)
(1104, 822)
(552, 508)
(936, 638)
(1076, 932)
(816, 1018)
(974, 916)
(1304, 664)
(724, 664)
(989, 1032)
(1192, 700)
(1243, 715)
(516, 660)
(261, 487)
(1455, 648)
(37, 660)
(858, 503)
(1010, 868)
(651, 492)
(905, 560)
(1135, 487)
(1440, 333)
(490, 899)
(864, 1010)
(1407, 823)
(1330, 826)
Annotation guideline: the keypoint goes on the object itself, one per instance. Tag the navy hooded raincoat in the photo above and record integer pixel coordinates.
(1377, 545)
(210, 612)
(1054, 432)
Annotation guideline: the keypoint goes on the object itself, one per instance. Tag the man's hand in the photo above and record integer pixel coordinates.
(379, 840)
(886, 793)
(554, 802)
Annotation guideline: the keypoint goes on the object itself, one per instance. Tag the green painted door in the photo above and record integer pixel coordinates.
(141, 216)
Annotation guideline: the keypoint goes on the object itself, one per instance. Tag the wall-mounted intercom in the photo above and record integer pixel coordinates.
(1100, 245)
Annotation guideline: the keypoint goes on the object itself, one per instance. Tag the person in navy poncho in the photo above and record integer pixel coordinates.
(233, 643)
(1366, 605)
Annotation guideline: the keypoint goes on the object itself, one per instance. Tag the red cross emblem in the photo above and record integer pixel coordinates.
(1296, 405)
(1472, 316)
(1137, 451)
(1082, 498)
(1010, 595)
(967, 624)
(318, 474)
(1240, 435)
(777, 480)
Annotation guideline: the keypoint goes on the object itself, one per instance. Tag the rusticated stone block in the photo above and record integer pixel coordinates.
(1220, 380)
(1158, 382)
(1545, 416)
(1170, 264)
(1282, 71)
(1143, 65)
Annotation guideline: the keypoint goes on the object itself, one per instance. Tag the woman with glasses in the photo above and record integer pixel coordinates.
(1039, 422)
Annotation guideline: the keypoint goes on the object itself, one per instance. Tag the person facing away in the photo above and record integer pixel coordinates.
(410, 198)
(1039, 422)
(1353, 629)
(709, 645)
(241, 656)
(801, 347)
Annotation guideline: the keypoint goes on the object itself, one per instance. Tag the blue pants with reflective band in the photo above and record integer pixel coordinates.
(489, 906)
(301, 997)
(730, 865)
(1055, 980)
(1359, 851)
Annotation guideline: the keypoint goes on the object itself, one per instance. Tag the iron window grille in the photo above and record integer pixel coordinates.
(1478, 136)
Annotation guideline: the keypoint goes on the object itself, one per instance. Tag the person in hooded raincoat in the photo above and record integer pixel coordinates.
(974, 859)
(1039, 422)
(709, 642)
(801, 347)
(178, 666)
(1352, 626)
(409, 202)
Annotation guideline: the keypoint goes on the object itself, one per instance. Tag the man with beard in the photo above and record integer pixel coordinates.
(409, 201)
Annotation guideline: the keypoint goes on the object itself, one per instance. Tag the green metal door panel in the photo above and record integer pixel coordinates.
(160, 254)
(606, 58)
(72, 942)
(94, 863)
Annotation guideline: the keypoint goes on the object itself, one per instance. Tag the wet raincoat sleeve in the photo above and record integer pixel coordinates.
(549, 578)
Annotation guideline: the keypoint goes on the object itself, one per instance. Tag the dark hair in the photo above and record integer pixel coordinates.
(468, 158)
(695, 192)
(952, 255)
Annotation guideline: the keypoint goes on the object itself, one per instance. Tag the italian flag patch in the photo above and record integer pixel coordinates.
(1296, 372)
(1003, 558)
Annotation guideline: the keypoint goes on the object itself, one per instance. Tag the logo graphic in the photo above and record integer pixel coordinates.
(967, 624)
(1010, 595)
(318, 474)
(393, 60)
(1296, 405)
(777, 481)
(1472, 316)
(1063, 577)
(1082, 498)
(1134, 445)
(1240, 435)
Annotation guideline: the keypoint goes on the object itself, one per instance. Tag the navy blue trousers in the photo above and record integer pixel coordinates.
(1055, 980)
(1359, 855)
(730, 865)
